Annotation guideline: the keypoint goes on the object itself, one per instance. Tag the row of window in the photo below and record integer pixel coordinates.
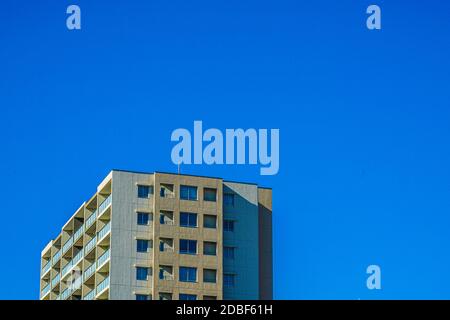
(168, 296)
(186, 247)
(186, 193)
(186, 274)
(187, 219)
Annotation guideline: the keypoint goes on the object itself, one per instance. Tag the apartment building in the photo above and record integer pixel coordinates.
(162, 236)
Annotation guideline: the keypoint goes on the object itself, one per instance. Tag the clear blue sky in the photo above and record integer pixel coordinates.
(363, 116)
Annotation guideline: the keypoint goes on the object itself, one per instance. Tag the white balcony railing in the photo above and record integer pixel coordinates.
(166, 276)
(77, 257)
(90, 220)
(78, 233)
(66, 268)
(67, 245)
(90, 245)
(103, 258)
(55, 280)
(103, 285)
(46, 267)
(56, 257)
(104, 231)
(90, 295)
(45, 290)
(89, 271)
(104, 205)
(65, 294)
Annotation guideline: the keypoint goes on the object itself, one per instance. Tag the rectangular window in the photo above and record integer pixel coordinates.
(166, 245)
(144, 192)
(228, 252)
(209, 221)
(184, 296)
(210, 194)
(228, 199)
(188, 219)
(142, 297)
(209, 248)
(143, 218)
(188, 193)
(209, 275)
(228, 225)
(141, 273)
(165, 273)
(188, 274)
(228, 280)
(165, 296)
(188, 246)
(166, 217)
(142, 245)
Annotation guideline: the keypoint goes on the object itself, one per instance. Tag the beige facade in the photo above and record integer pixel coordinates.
(162, 236)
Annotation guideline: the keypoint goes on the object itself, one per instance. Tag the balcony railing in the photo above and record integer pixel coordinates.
(90, 220)
(77, 257)
(66, 268)
(104, 231)
(90, 245)
(55, 280)
(67, 245)
(56, 257)
(103, 285)
(166, 276)
(46, 267)
(90, 295)
(78, 233)
(104, 257)
(104, 205)
(45, 290)
(89, 271)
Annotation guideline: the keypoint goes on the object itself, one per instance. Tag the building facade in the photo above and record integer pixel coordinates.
(160, 236)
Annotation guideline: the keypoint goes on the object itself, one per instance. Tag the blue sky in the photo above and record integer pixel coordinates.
(363, 117)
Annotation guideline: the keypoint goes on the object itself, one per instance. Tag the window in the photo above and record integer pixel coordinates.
(188, 274)
(209, 275)
(141, 297)
(188, 246)
(209, 248)
(165, 296)
(166, 217)
(141, 273)
(228, 199)
(228, 225)
(209, 221)
(228, 280)
(188, 219)
(209, 194)
(209, 298)
(165, 273)
(228, 252)
(144, 191)
(142, 218)
(142, 245)
(184, 296)
(166, 244)
(188, 193)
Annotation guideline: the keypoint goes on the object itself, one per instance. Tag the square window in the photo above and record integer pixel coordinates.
(141, 273)
(188, 193)
(188, 274)
(209, 221)
(209, 275)
(228, 225)
(228, 199)
(188, 219)
(144, 192)
(188, 246)
(209, 248)
(142, 297)
(143, 218)
(210, 194)
(189, 297)
(142, 245)
(228, 280)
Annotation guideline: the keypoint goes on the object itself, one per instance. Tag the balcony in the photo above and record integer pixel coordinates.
(90, 220)
(66, 268)
(166, 276)
(67, 245)
(102, 286)
(90, 295)
(56, 257)
(89, 271)
(102, 233)
(78, 234)
(103, 258)
(46, 267)
(55, 280)
(77, 257)
(105, 204)
(90, 245)
(45, 290)
(65, 294)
